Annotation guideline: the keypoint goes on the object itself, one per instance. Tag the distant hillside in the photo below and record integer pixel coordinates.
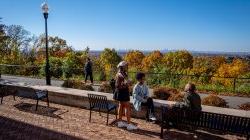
(194, 53)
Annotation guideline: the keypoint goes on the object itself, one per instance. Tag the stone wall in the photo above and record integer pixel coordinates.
(78, 98)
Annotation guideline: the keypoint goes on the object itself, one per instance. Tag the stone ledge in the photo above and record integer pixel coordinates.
(78, 98)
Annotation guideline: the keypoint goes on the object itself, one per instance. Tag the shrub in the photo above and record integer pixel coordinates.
(77, 84)
(55, 67)
(105, 87)
(163, 93)
(176, 97)
(245, 106)
(214, 100)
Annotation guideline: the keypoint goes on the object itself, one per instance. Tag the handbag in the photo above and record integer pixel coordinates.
(115, 95)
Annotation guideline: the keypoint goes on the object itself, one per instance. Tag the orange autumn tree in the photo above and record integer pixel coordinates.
(134, 59)
(204, 65)
(232, 70)
(153, 60)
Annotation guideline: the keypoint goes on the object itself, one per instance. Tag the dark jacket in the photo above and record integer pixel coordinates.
(88, 67)
(191, 101)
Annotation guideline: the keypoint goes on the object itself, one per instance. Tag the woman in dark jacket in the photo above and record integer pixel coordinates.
(122, 89)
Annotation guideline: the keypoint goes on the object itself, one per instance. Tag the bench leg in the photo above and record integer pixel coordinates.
(1, 100)
(14, 97)
(90, 115)
(36, 104)
(48, 101)
(147, 115)
(116, 112)
(107, 118)
(161, 136)
(100, 112)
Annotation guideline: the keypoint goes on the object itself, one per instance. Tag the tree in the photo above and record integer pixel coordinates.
(73, 64)
(231, 70)
(58, 47)
(19, 38)
(134, 59)
(153, 60)
(3, 39)
(109, 59)
(203, 65)
(178, 61)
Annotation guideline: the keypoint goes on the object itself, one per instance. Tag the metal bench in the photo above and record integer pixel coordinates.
(5, 92)
(101, 103)
(26, 93)
(192, 120)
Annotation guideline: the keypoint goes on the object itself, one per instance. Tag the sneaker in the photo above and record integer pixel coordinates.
(131, 127)
(122, 124)
(152, 118)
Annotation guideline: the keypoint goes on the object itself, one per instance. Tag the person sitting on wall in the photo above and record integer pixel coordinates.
(191, 104)
(141, 96)
(191, 100)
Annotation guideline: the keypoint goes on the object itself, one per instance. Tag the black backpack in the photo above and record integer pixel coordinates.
(112, 84)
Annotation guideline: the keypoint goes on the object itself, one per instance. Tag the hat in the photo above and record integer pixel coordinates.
(122, 64)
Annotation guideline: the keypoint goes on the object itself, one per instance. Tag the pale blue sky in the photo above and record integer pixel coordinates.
(200, 25)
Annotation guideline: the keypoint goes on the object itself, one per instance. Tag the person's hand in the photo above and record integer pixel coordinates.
(170, 106)
(129, 82)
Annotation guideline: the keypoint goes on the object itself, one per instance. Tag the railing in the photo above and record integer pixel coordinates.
(203, 82)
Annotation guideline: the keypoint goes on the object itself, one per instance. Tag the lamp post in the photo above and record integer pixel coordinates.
(45, 9)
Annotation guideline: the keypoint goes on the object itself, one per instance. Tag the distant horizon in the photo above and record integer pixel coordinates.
(207, 25)
(166, 50)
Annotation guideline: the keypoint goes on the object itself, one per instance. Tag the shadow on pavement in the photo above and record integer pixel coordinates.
(42, 110)
(12, 129)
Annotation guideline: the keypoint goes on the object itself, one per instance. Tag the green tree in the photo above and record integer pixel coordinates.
(178, 61)
(17, 42)
(74, 64)
(3, 39)
(109, 59)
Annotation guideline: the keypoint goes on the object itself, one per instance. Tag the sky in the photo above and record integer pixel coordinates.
(195, 25)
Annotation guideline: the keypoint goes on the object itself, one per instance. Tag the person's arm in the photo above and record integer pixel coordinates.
(147, 91)
(119, 83)
(137, 95)
(184, 104)
(91, 66)
(187, 101)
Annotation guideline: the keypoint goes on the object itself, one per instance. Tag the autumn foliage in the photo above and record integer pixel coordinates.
(231, 70)
(152, 60)
(134, 59)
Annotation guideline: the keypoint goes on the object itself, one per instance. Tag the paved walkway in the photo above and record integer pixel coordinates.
(19, 120)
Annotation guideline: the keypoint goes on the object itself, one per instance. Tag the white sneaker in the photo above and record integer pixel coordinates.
(122, 124)
(131, 127)
(152, 118)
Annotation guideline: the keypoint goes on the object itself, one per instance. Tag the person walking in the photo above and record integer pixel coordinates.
(122, 90)
(88, 70)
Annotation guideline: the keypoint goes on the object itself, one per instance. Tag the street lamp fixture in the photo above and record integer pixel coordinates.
(45, 9)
